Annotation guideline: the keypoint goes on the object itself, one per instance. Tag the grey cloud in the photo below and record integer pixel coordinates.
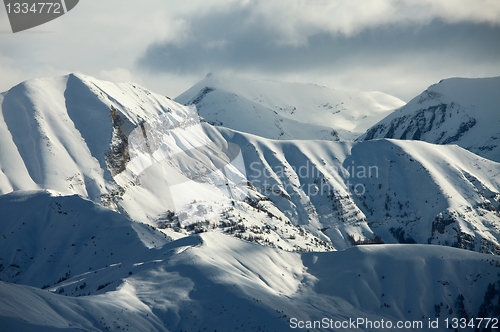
(240, 41)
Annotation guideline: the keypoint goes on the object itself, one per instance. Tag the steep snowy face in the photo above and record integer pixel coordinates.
(425, 193)
(279, 110)
(458, 111)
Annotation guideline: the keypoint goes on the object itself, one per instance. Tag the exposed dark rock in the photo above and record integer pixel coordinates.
(118, 156)
(201, 95)
(399, 234)
(462, 129)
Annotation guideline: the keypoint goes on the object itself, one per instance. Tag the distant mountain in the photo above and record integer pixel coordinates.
(460, 111)
(78, 135)
(280, 110)
(63, 132)
(135, 152)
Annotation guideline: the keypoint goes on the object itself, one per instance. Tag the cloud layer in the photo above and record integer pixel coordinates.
(326, 38)
(396, 46)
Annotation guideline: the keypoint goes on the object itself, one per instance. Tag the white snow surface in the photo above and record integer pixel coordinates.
(400, 191)
(280, 110)
(120, 210)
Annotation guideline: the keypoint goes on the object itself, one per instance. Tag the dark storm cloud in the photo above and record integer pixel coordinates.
(240, 41)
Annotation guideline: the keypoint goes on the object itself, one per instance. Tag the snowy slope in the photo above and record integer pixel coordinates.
(458, 111)
(78, 135)
(280, 110)
(57, 132)
(142, 280)
(55, 242)
(133, 151)
(214, 282)
(427, 193)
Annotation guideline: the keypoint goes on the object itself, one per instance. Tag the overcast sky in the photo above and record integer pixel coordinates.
(396, 46)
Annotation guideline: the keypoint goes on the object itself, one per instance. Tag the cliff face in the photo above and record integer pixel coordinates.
(118, 155)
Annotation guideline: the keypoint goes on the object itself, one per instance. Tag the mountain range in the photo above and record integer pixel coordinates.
(122, 208)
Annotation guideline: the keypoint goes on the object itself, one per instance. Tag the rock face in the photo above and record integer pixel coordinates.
(118, 155)
(458, 111)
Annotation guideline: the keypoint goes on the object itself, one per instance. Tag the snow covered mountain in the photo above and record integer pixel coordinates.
(121, 210)
(280, 110)
(81, 267)
(51, 240)
(150, 159)
(460, 111)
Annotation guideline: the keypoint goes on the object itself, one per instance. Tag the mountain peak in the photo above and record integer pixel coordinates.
(462, 111)
(281, 110)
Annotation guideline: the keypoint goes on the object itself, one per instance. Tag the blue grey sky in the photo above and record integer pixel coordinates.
(396, 46)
